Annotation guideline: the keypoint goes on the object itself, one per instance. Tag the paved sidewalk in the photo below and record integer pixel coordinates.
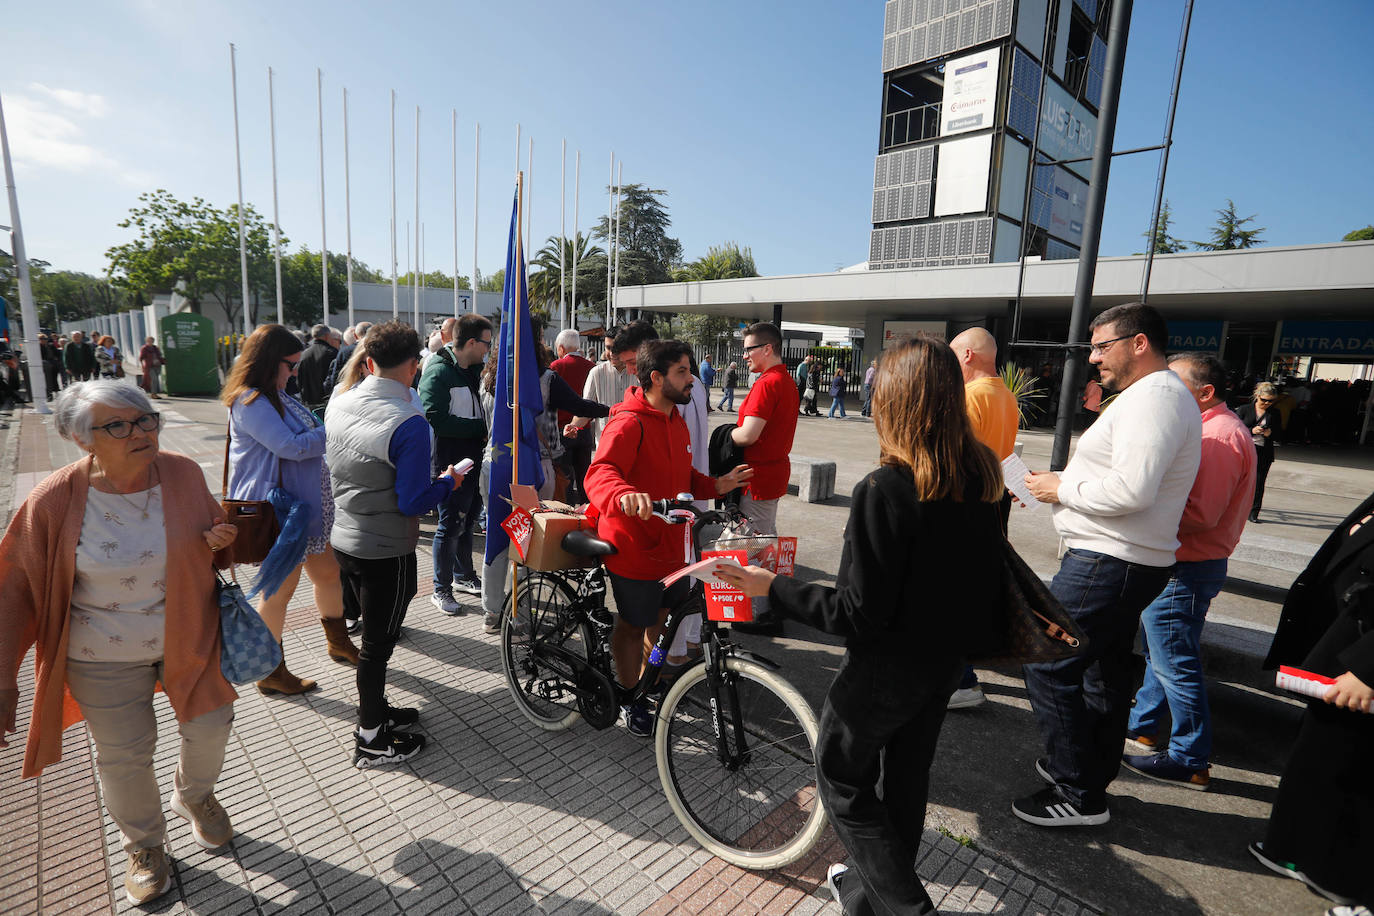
(494, 816)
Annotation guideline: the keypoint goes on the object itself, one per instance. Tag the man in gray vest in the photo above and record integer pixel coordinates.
(378, 455)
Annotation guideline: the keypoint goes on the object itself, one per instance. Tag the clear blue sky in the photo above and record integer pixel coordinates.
(760, 119)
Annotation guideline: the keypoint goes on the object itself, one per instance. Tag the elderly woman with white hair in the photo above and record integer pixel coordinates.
(112, 579)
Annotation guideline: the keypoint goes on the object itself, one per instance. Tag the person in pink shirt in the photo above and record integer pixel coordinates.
(1208, 532)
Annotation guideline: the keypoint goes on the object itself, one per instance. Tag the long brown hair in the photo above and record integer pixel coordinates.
(923, 425)
(255, 371)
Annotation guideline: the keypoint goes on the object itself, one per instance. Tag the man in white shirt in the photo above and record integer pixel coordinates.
(1117, 508)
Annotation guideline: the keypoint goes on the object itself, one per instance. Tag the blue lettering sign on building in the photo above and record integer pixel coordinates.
(1195, 336)
(1327, 338)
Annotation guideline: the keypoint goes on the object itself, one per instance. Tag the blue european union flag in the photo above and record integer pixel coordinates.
(515, 334)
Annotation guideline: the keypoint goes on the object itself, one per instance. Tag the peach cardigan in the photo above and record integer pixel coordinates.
(38, 567)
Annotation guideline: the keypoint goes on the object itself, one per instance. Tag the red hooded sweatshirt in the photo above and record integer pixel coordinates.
(642, 450)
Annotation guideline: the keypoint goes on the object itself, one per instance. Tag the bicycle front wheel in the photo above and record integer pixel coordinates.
(761, 809)
(541, 626)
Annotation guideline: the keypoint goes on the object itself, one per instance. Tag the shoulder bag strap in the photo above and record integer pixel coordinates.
(224, 482)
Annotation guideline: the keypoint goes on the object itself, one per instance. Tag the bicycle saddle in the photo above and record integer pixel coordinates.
(583, 543)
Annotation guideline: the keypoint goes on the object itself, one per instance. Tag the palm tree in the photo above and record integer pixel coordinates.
(544, 284)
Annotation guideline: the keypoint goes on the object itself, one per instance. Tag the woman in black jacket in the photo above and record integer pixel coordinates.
(924, 538)
(1263, 420)
(1321, 830)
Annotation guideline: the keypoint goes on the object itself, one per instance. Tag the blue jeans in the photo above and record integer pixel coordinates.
(837, 402)
(1173, 650)
(453, 536)
(728, 396)
(1081, 704)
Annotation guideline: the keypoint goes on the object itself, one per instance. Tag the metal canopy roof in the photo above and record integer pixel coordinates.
(1302, 281)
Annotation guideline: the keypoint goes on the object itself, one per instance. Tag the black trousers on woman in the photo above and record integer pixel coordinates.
(381, 591)
(878, 731)
(1264, 461)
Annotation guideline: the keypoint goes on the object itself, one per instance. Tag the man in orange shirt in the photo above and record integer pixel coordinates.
(993, 413)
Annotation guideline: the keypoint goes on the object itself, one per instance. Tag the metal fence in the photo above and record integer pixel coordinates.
(828, 359)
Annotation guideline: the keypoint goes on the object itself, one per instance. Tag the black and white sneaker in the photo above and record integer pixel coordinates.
(469, 586)
(388, 747)
(401, 715)
(1042, 769)
(833, 876)
(1049, 808)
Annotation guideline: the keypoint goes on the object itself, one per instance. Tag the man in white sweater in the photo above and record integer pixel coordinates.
(1117, 507)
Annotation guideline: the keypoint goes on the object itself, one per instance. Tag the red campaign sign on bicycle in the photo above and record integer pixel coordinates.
(725, 603)
(520, 526)
(781, 557)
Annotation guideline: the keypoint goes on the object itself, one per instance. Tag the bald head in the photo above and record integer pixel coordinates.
(976, 350)
(447, 328)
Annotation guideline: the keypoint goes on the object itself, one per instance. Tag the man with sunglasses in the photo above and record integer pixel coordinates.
(767, 423)
(453, 406)
(1117, 508)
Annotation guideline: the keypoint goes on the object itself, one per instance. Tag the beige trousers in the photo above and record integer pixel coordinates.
(117, 700)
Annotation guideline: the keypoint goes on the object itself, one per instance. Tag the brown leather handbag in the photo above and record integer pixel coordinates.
(255, 519)
(1033, 625)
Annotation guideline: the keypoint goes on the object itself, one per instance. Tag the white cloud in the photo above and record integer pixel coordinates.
(87, 103)
(47, 132)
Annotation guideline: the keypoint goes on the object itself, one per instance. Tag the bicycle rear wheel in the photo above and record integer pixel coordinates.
(541, 627)
(763, 810)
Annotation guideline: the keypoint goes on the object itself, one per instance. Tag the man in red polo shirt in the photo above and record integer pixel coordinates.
(767, 422)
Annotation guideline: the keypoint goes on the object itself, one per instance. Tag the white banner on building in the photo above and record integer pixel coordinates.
(970, 97)
(961, 182)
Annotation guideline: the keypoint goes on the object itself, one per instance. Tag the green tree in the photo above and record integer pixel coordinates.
(1229, 233)
(196, 245)
(721, 262)
(544, 282)
(646, 252)
(1360, 235)
(494, 283)
(1165, 243)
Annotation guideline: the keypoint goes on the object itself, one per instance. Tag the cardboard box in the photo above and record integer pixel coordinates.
(552, 520)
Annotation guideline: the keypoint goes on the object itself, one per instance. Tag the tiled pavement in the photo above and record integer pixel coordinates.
(494, 817)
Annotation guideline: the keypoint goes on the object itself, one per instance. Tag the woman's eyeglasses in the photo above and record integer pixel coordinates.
(122, 429)
(292, 366)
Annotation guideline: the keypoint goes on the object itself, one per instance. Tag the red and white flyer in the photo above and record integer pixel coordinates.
(520, 526)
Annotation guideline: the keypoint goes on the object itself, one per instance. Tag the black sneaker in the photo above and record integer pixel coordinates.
(388, 747)
(1049, 808)
(401, 715)
(355, 626)
(638, 720)
(1042, 769)
(469, 586)
(1290, 870)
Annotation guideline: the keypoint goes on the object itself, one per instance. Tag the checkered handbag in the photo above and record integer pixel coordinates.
(1030, 626)
(248, 650)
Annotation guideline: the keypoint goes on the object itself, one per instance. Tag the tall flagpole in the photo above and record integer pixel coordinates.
(619, 181)
(410, 271)
(324, 244)
(414, 280)
(276, 218)
(238, 168)
(610, 248)
(455, 212)
(530, 188)
(577, 207)
(514, 330)
(348, 210)
(395, 290)
(27, 309)
(476, 183)
(562, 236)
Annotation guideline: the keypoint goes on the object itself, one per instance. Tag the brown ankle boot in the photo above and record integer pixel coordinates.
(283, 681)
(341, 648)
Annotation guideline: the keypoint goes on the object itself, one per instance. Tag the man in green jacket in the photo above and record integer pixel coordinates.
(453, 406)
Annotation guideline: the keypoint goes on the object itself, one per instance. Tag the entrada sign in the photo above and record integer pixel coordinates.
(1327, 338)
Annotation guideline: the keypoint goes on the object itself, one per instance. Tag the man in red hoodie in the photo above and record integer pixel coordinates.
(645, 454)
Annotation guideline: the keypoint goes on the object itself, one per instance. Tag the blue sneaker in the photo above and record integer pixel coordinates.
(1163, 768)
(638, 719)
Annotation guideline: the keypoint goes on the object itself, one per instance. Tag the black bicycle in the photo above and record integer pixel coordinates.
(734, 741)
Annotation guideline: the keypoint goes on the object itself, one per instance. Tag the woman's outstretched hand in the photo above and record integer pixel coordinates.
(754, 581)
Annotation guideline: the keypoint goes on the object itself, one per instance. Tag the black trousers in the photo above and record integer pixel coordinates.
(577, 457)
(381, 590)
(878, 730)
(1323, 817)
(1265, 460)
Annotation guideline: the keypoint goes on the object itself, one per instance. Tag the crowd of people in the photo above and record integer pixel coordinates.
(354, 436)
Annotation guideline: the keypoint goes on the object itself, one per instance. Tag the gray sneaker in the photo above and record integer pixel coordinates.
(491, 623)
(148, 876)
